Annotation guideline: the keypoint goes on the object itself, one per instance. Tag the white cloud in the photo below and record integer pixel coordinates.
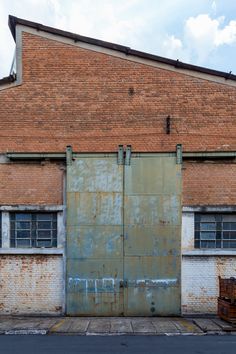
(174, 42)
(6, 55)
(214, 6)
(201, 26)
(227, 35)
(202, 35)
(110, 20)
(152, 26)
(173, 47)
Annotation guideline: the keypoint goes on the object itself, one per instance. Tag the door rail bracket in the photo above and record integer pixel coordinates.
(124, 156)
(128, 155)
(120, 157)
(179, 154)
(69, 155)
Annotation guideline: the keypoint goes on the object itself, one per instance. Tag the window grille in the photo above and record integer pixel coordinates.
(215, 230)
(33, 230)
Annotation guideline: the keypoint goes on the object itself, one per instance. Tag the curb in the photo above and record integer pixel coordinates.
(27, 331)
(48, 332)
(102, 334)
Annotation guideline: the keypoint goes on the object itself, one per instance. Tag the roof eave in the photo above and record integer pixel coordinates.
(12, 25)
(13, 21)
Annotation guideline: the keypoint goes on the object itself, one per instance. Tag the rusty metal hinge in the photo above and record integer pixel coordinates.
(69, 155)
(179, 155)
(128, 155)
(124, 157)
(120, 158)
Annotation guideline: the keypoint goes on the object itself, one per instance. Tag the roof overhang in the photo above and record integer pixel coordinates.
(14, 21)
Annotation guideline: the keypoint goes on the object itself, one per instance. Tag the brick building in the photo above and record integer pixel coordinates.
(117, 170)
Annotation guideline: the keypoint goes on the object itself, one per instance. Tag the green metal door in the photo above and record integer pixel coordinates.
(123, 235)
(94, 236)
(152, 235)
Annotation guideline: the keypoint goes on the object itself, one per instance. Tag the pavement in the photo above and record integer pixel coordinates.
(168, 326)
(126, 344)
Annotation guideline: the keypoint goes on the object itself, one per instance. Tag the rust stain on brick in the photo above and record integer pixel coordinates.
(37, 282)
(201, 286)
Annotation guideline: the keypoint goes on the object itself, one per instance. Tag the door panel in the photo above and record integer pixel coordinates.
(142, 300)
(152, 229)
(109, 242)
(152, 289)
(123, 236)
(95, 208)
(151, 240)
(93, 287)
(95, 174)
(94, 236)
(139, 176)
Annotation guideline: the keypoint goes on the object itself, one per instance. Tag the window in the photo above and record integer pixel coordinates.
(215, 230)
(33, 230)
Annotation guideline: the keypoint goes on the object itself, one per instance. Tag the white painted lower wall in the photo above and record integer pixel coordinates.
(200, 284)
(31, 284)
(200, 272)
(34, 283)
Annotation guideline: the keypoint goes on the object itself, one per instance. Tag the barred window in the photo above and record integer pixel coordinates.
(215, 230)
(33, 230)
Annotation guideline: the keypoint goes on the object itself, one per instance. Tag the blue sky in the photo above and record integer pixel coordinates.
(200, 32)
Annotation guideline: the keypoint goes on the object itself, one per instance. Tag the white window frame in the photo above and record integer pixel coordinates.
(188, 248)
(6, 210)
(219, 220)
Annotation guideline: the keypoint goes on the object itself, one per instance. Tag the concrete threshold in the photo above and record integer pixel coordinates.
(114, 326)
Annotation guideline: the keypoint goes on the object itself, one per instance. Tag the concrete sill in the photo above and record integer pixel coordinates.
(46, 251)
(210, 253)
(32, 207)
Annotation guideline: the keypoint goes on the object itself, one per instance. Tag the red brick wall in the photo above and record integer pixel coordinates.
(209, 184)
(80, 97)
(31, 184)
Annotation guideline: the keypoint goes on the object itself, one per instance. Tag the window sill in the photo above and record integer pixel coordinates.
(52, 251)
(210, 252)
(30, 208)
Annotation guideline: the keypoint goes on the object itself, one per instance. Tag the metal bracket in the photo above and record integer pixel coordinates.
(69, 155)
(120, 158)
(123, 284)
(128, 155)
(179, 155)
(168, 125)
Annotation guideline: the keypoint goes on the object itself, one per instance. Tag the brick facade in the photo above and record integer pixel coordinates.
(209, 183)
(31, 184)
(94, 101)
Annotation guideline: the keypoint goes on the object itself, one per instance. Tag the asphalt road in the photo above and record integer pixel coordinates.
(117, 344)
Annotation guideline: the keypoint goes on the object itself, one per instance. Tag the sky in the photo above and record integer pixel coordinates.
(199, 32)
